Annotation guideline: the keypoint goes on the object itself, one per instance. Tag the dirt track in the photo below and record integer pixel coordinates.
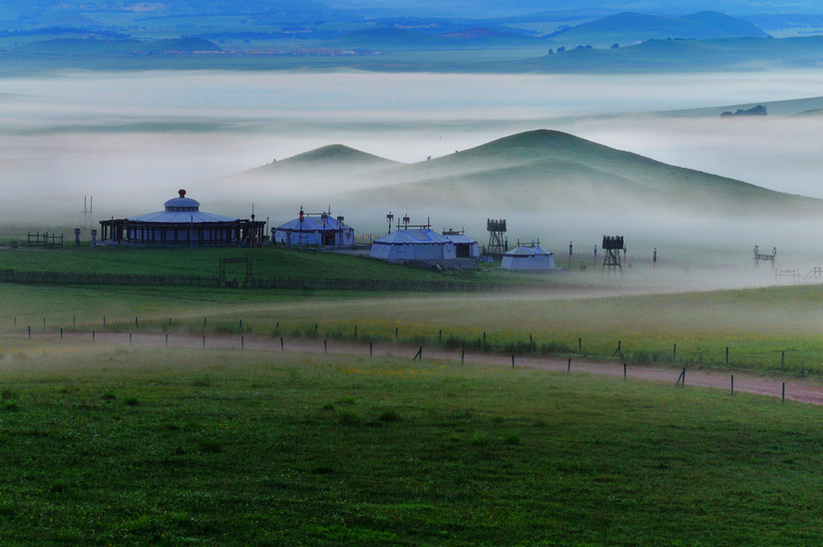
(807, 391)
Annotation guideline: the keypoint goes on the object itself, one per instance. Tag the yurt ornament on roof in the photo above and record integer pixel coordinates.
(314, 229)
(183, 223)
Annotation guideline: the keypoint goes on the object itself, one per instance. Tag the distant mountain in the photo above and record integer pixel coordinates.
(555, 171)
(333, 155)
(680, 55)
(315, 172)
(633, 28)
(405, 39)
(96, 45)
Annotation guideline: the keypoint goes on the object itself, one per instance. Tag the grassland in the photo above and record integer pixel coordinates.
(106, 445)
(765, 329)
(119, 444)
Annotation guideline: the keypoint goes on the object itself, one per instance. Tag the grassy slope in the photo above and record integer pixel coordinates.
(758, 326)
(272, 262)
(632, 28)
(181, 446)
(540, 168)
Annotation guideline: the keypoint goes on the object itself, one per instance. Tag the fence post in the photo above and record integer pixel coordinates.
(396, 332)
(325, 346)
(727, 355)
(29, 331)
(92, 336)
(371, 349)
(73, 321)
(512, 361)
(463, 356)
(624, 372)
(281, 344)
(61, 333)
(569, 365)
(242, 342)
(783, 393)
(129, 338)
(731, 390)
(681, 378)
(440, 336)
(167, 339)
(418, 355)
(136, 323)
(580, 345)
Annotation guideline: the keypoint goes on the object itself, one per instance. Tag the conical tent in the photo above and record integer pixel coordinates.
(528, 258)
(416, 244)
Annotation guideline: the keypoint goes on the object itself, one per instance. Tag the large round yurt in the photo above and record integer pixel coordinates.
(181, 222)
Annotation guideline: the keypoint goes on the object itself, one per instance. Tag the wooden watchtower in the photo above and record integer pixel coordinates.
(612, 246)
(497, 232)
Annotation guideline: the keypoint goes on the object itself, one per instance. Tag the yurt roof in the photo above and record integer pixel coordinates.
(313, 224)
(459, 238)
(418, 236)
(527, 251)
(181, 210)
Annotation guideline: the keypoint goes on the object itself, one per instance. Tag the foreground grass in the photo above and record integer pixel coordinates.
(108, 446)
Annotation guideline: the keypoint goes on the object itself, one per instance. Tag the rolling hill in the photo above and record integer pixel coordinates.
(549, 169)
(535, 171)
(633, 28)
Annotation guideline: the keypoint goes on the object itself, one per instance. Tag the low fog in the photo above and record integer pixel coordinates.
(131, 140)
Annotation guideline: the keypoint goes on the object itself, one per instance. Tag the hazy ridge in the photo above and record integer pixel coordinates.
(530, 171)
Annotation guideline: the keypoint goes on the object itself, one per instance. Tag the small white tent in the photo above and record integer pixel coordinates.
(417, 244)
(464, 247)
(319, 230)
(528, 258)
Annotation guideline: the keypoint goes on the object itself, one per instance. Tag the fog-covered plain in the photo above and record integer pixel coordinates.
(132, 139)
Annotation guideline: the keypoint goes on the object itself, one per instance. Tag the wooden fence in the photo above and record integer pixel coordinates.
(69, 278)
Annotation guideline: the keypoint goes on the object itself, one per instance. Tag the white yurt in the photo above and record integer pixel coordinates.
(415, 244)
(528, 258)
(314, 229)
(464, 246)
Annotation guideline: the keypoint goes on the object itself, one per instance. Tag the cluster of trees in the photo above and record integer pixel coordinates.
(758, 110)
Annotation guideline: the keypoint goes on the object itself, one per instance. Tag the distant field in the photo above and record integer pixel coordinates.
(764, 328)
(107, 445)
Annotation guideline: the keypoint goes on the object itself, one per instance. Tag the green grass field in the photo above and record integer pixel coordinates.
(106, 445)
(119, 444)
(765, 329)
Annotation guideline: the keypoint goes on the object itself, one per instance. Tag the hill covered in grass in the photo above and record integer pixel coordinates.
(631, 28)
(550, 169)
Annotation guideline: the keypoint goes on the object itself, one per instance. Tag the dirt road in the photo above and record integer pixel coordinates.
(803, 390)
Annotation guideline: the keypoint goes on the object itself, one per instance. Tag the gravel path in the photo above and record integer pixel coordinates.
(803, 390)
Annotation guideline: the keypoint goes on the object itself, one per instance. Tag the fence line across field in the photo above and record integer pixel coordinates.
(245, 342)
